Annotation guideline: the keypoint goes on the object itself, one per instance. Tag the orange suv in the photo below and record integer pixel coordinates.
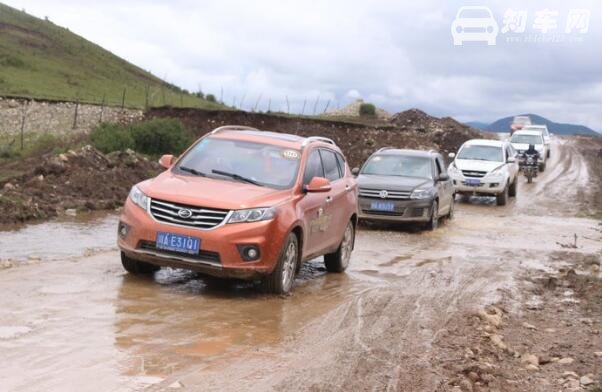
(243, 203)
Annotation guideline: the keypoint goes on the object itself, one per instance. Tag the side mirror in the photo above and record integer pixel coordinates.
(452, 155)
(166, 161)
(318, 184)
(443, 177)
(511, 160)
(355, 171)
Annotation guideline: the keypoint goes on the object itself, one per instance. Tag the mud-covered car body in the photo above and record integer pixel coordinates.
(403, 185)
(227, 206)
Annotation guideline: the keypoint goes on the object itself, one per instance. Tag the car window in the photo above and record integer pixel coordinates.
(341, 162)
(398, 165)
(440, 165)
(437, 169)
(482, 153)
(331, 167)
(313, 167)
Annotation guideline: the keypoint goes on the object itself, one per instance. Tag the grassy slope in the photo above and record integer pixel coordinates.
(41, 60)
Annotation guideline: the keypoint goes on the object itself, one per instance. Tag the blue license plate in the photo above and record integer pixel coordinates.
(382, 206)
(178, 243)
(473, 181)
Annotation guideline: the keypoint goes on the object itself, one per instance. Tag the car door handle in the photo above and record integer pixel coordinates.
(328, 199)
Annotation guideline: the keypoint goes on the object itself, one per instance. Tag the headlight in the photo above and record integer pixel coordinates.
(496, 172)
(452, 169)
(420, 194)
(252, 215)
(139, 198)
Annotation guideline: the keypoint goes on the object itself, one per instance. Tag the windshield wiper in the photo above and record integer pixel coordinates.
(235, 176)
(192, 171)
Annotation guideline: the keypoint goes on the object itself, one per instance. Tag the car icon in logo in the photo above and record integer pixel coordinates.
(184, 213)
(383, 194)
(474, 23)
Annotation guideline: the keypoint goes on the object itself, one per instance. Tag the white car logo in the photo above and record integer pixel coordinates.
(184, 213)
(383, 194)
(474, 23)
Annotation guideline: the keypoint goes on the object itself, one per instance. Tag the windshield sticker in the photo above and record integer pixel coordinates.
(290, 154)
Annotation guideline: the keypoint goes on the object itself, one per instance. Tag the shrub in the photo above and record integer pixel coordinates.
(47, 143)
(109, 137)
(367, 109)
(160, 136)
(210, 98)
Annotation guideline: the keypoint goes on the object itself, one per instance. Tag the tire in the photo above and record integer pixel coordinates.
(529, 178)
(433, 222)
(137, 267)
(542, 167)
(280, 280)
(339, 260)
(548, 154)
(502, 198)
(512, 189)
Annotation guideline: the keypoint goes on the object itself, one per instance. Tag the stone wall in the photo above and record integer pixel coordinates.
(57, 117)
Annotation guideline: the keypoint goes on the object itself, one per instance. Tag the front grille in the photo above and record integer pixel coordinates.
(376, 193)
(473, 173)
(203, 255)
(202, 218)
(385, 213)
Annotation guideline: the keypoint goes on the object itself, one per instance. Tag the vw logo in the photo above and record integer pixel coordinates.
(383, 194)
(184, 213)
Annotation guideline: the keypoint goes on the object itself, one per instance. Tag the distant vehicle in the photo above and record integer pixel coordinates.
(519, 122)
(543, 129)
(521, 140)
(474, 23)
(485, 168)
(242, 203)
(405, 186)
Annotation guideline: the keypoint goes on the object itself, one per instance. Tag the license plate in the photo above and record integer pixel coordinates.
(178, 243)
(473, 181)
(382, 206)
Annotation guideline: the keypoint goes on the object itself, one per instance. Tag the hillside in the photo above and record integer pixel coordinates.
(42, 60)
(503, 125)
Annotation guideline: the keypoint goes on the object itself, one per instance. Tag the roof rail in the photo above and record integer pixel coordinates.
(233, 128)
(312, 139)
(385, 148)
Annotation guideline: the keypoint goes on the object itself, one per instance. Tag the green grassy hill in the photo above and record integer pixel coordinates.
(39, 59)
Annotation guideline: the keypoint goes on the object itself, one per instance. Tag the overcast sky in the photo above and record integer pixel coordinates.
(397, 54)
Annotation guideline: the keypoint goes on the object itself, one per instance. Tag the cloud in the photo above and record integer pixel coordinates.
(396, 54)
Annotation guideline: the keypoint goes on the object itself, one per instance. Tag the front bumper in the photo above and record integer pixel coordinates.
(408, 210)
(487, 186)
(219, 250)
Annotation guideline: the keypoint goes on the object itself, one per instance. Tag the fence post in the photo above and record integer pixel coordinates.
(123, 99)
(102, 107)
(257, 102)
(269, 104)
(326, 108)
(316, 104)
(303, 110)
(23, 124)
(75, 114)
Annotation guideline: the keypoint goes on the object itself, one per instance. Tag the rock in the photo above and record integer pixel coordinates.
(71, 212)
(598, 353)
(585, 381)
(473, 376)
(566, 361)
(465, 386)
(529, 326)
(532, 367)
(530, 358)
(570, 375)
(493, 317)
(544, 359)
(63, 158)
(587, 321)
(41, 177)
(550, 330)
(8, 186)
(498, 341)
(175, 385)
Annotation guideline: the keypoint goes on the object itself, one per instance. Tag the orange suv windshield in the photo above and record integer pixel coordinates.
(235, 160)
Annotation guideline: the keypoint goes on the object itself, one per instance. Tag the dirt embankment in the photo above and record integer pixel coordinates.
(85, 179)
(591, 149)
(409, 129)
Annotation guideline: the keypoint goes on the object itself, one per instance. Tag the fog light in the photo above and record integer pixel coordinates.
(494, 184)
(249, 252)
(123, 229)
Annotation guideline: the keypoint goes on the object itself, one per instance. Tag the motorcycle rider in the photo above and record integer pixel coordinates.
(532, 152)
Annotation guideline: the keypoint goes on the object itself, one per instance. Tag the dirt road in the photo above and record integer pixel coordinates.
(399, 319)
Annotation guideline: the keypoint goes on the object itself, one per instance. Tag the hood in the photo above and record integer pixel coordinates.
(469, 164)
(211, 192)
(392, 183)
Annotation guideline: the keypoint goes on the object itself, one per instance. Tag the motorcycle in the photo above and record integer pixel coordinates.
(530, 167)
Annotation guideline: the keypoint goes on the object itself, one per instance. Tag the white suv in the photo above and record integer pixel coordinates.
(521, 140)
(543, 129)
(485, 168)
